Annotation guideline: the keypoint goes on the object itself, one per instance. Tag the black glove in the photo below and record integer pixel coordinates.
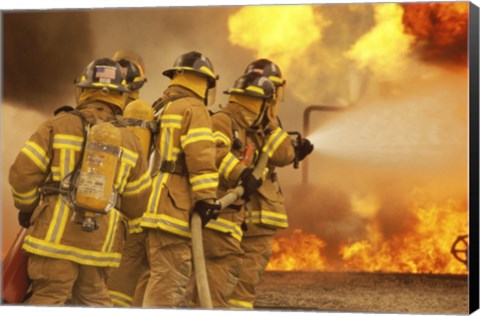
(207, 210)
(24, 219)
(304, 149)
(249, 183)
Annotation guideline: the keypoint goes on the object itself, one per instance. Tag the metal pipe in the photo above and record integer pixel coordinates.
(306, 131)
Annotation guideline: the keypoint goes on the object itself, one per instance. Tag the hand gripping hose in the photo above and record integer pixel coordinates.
(197, 239)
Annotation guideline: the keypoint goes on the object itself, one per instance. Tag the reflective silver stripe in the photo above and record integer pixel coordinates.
(200, 182)
(42, 159)
(25, 197)
(228, 163)
(122, 177)
(57, 223)
(138, 185)
(58, 142)
(156, 192)
(62, 252)
(120, 299)
(219, 136)
(226, 226)
(197, 136)
(273, 144)
(269, 218)
(170, 120)
(157, 185)
(111, 234)
(56, 175)
(129, 156)
(62, 208)
(166, 222)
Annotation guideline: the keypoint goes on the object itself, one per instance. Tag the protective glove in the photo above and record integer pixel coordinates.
(24, 219)
(305, 149)
(249, 183)
(207, 209)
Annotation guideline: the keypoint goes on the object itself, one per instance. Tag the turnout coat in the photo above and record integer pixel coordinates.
(50, 154)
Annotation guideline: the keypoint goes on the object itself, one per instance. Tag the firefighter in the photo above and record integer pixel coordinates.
(133, 68)
(79, 183)
(239, 136)
(185, 178)
(122, 281)
(265, 210)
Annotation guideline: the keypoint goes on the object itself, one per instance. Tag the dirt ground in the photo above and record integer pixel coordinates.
(364, 292)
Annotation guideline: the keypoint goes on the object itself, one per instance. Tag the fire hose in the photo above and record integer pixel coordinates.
(197, 239)
(14, 275)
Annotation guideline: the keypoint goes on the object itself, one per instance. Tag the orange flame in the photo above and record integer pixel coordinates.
(441, 29)
(383, 50)
(424, 248)
(276, 32)
(284, 250)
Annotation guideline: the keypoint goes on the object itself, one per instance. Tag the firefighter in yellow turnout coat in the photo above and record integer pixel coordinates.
(122, 281)
(265, 211)
(185, 178)
(64, 257)
(239, 138)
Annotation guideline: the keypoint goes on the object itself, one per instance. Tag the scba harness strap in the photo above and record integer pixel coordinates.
(67, 189)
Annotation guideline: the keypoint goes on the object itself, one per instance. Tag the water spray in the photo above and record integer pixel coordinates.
(306, 130)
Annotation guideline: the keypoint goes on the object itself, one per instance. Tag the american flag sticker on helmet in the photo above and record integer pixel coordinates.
(105, 72)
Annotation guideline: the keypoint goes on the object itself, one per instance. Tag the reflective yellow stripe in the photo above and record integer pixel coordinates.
(208, 71)
(25, 198)
(134, 225)
(171, 120)
(54, 226)
(36, 154)
(277, 137)
(109, 85)
(81, 256)
(138, 185)
(227, 165)
(65, 141)
(56, 173)
(240, 304)
(226, 226)
(122, 176)
(130, 157)
(113, 218)
(61, 210)
(220, 137)
(255, 89)
(167, 152)
(167, 223)
(275, 79)
(120, 299)
(204, 181)
(269, 218)
(196, 135)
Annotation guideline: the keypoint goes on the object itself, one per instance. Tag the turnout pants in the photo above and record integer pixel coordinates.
(223, 260)
(55, 280)
(170, 261)
(258, 250)
(123, 279)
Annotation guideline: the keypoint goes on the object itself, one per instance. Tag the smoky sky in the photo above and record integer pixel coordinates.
(43, 53)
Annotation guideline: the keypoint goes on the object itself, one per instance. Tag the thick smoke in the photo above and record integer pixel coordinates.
(43, 53)
(441, 31)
